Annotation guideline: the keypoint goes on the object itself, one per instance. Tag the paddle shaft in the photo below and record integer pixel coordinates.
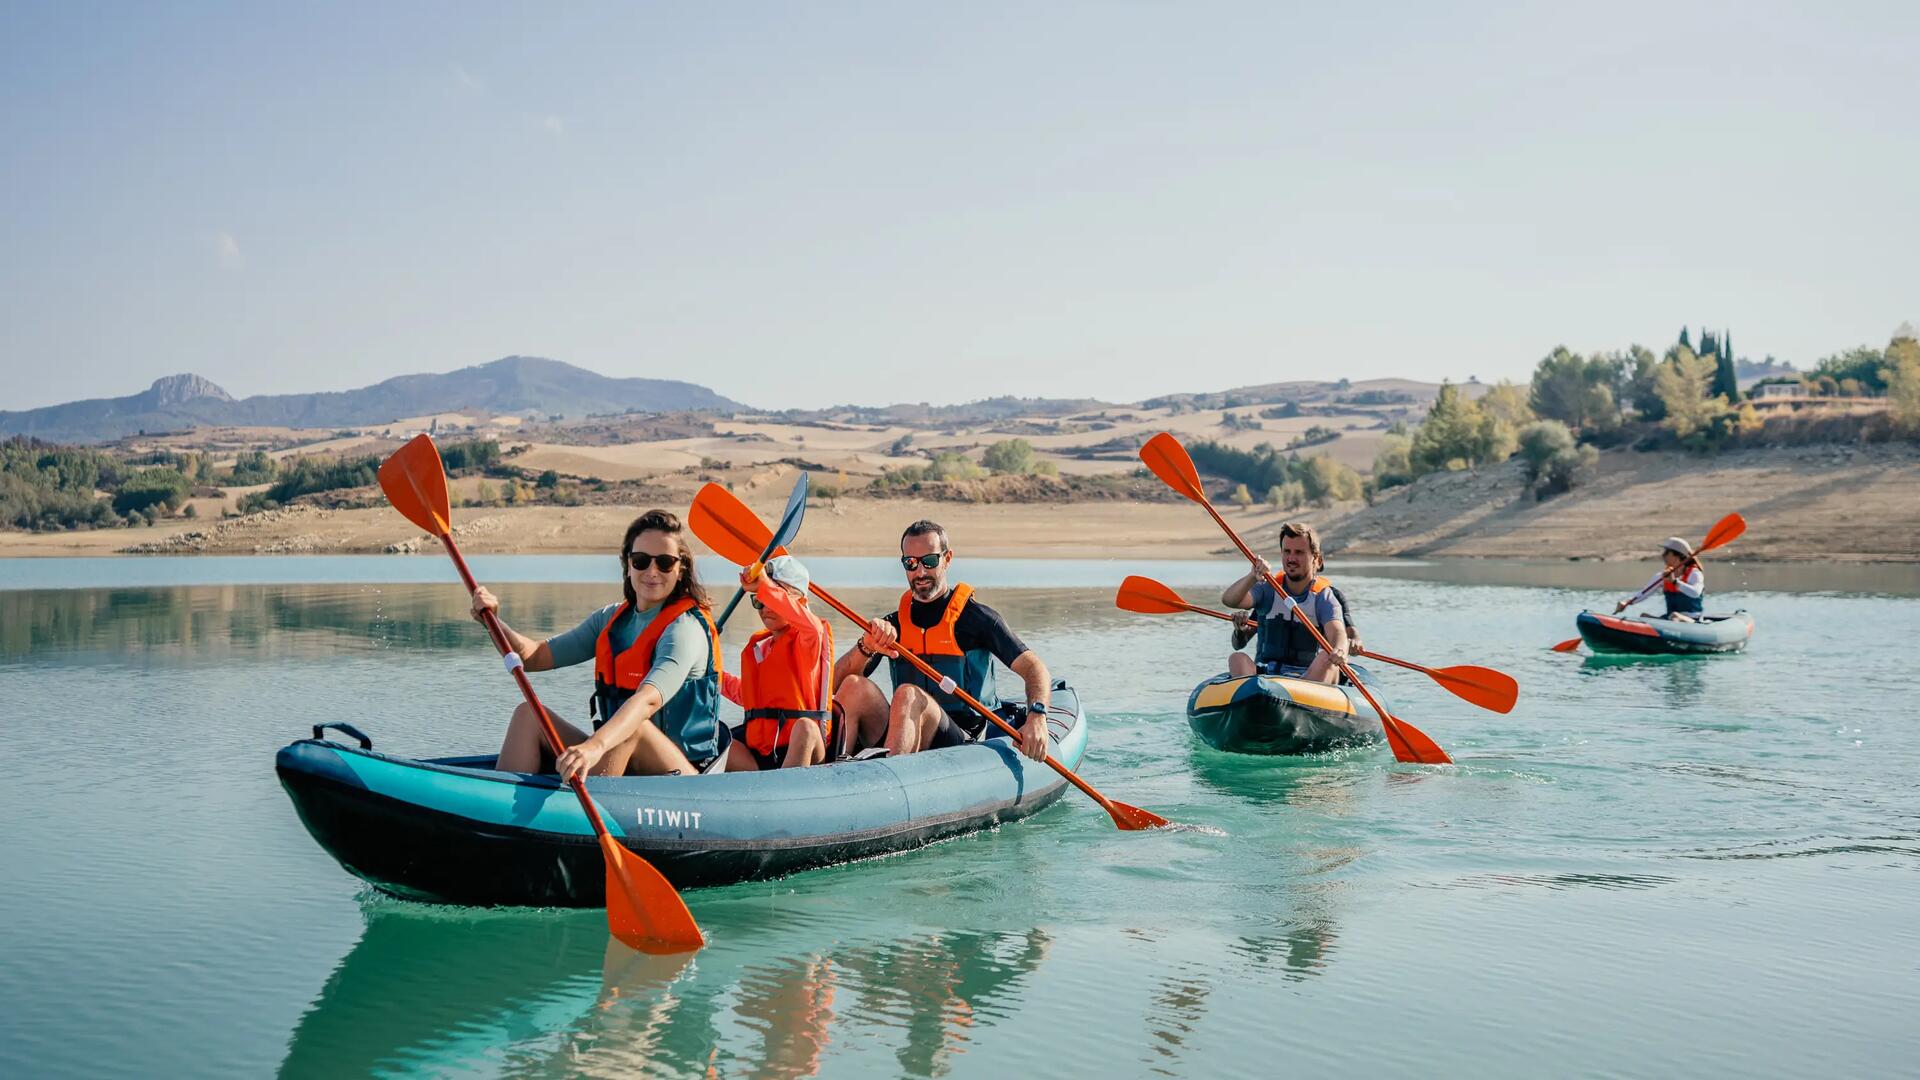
(1402, 749)
(519, 672)
(972, 702)
(1408, 664)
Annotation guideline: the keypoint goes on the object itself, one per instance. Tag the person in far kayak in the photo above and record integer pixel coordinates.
(1681, 579)
(1284, 646)
(786, 674)
(958, 636)
(656, 669)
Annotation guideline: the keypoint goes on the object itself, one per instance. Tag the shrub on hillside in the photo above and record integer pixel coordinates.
(148, 490)
(1554, 462)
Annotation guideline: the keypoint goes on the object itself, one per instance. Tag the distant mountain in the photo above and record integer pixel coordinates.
(515, 384)
(1364, 392)
(986, 411)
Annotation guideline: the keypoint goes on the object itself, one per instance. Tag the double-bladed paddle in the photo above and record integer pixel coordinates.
(729, 527)
(1724, 532)
(1168, 460)
(643, 909)
(1492, 690)
(782, 536)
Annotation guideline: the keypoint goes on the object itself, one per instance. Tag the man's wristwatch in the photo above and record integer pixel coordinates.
(1036, 708)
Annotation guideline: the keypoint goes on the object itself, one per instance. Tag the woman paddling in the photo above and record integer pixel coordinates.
(1681, 579)
(656, 678)
(786, 674)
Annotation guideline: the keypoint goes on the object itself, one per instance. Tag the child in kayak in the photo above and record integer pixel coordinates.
(1681, 579)
(786, 674)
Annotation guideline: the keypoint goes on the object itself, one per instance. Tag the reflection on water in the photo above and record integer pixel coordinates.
(1680, 682)
(546, 993)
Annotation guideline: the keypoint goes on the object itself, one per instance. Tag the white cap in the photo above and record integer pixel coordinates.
(790, 572)
(1678, 547)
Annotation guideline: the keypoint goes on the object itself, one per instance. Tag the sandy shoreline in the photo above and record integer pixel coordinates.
(1843, 504)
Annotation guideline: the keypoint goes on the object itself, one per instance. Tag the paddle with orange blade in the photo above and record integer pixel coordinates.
(783, 535)
(729, 527)
(643, 909)
(1168, 460)
(1724, 532)
(1495, 691)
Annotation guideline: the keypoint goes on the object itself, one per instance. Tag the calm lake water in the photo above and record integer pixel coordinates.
(1705, 867)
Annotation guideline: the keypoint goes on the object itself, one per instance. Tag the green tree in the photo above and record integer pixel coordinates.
(1573, 390)
(254, 467)
(1902, 378)
(1010, 457)
(1554, 461)
(1684, 384)
(148, 489)
(1641, 367)
(1326, 481)
(1862, 364)
(1242, 497)
(1508, 404)
(1391, 465)
(1726, 378)
(1457, 435)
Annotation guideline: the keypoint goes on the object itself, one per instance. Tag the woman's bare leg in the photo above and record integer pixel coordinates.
(648, 753)
(524, 749)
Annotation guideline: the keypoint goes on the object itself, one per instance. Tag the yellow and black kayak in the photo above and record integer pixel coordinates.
(1275, 714)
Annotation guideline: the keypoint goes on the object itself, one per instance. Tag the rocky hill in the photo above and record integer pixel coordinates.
(514, 384)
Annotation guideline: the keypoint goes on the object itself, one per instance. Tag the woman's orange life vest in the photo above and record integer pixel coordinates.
(787, 676)
(691, 719)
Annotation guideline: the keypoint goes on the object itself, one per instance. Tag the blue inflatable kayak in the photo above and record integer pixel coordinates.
(457, 831)
(1711, 634)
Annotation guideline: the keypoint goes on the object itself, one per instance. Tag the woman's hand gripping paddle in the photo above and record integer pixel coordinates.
(1724, 532)
(1168, 460)
(726, 525)
(643, 909)
(782, 536)
(1492, 690)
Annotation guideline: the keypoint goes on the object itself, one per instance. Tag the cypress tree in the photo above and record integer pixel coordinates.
(1684, 340)
(1726, 378)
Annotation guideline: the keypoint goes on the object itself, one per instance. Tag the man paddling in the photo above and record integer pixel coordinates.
(1681, 579)
(958, 636)
(1285, 646)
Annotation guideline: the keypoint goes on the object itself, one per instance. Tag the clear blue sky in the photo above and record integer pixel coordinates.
(804, 204)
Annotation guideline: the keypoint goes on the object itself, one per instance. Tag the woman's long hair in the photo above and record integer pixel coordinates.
(667, 522)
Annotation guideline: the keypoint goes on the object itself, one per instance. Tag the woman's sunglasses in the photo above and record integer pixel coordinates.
(663, 563)
(928, 561)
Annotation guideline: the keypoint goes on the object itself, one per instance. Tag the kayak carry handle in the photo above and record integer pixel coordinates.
(348, 729)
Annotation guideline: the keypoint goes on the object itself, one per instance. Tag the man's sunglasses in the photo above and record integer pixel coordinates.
(663, 563)
(928, 561)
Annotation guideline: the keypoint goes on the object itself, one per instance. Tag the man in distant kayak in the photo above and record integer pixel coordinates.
(957, 635)
(1681, 579)
(1284, 645)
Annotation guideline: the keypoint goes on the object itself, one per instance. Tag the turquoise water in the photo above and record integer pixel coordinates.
(1704, 866)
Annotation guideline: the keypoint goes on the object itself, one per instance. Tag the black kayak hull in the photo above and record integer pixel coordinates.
(1272, 715)
(454, 830)
(1721, 633)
